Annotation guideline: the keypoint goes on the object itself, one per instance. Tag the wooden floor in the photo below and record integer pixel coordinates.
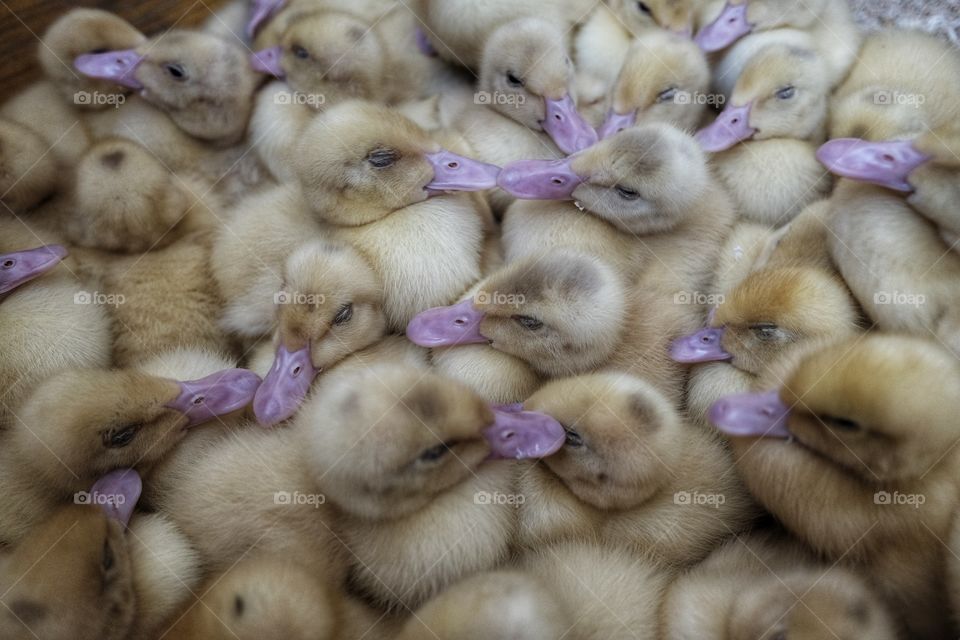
(22, 22)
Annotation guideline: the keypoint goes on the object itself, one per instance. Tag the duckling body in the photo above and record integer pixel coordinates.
(630, 473)
(41, 108)
(28, 174)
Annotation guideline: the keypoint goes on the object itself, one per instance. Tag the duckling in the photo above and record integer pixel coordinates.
(440, 435)
(628, 473)
(855, 455)
(895, 261)
(370, 178)
(642, 197)
(606, 591)
(70, 578)
(332, 56)
(257, 597)
(124, 199)
(85, 31)
(202, 82)
(276, 125)
(764, 583)
(642, 17)
(81, 423)
(507, 603)
(166, 572)
(664, 78)
(458, 30)
(777, 113)
(28, 173)
(161, 300)
(44, 329)
(822, 25)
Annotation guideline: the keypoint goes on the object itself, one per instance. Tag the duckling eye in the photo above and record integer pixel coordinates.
(528, 323)
(667, 95)
(382, 158)
(300, 52)
(841, 424)
(9, 263)
(344, 314)
(107, 559)
(434, 453)
(767, 332)
(626, 194)
(120, 438)
(513, 80)
(176, 71)
(574, 439)
(642, 6)
(786, 93)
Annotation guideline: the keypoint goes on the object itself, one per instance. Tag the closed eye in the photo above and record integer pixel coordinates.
(644, 8)
(119, 438)
(667, 95)
(528, 322)
(176, 71)
(382, 158)
(344, 314)
(841, 424)
(574, 439)
(626, 194)
(786, 93)
(434, 453)
(300, 52)
(513, 80)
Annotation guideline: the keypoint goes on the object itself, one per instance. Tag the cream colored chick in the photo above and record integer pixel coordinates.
(78, 32)
(44, 329)
(607, 592)
(124, 199)
(257, 598)
(664, 78)
(83, 423)
(743, 27)
(161, 300)
(268, 19)
(327, 57)
(765, 139)
(631, 474)
(858, 462)
(643, 197)
(203, 83)
(490, 606)
(763, 584)
(895, 262)
(372, 179)
(639, 18)
(459, 29)
(71, 578)
(28, 173)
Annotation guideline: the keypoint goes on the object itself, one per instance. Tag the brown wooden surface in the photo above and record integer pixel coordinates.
(22, 22)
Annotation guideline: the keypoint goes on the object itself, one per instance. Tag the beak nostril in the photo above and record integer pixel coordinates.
(460, 322)
(508, 435)
(557, 181)
(453, 165)
(296, 370)
(198, 400)
(889, 158)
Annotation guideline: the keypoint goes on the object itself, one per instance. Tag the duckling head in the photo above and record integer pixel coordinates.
(770, 312)
(83, 423)
(810, 605)
(642, 180)
(664, 78)
(620, 437)
(264, 597)
(561, 313)
(385, 441)
(882, 407)
(358, 162)
(70, 578)
(330, 306)
(782, 93)
(125, 199)
(28, 173)
(526, 75)
(639, 16)
(330, 56)
(202, 82)
(739, 18)
(79, 32)
(19, 267)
